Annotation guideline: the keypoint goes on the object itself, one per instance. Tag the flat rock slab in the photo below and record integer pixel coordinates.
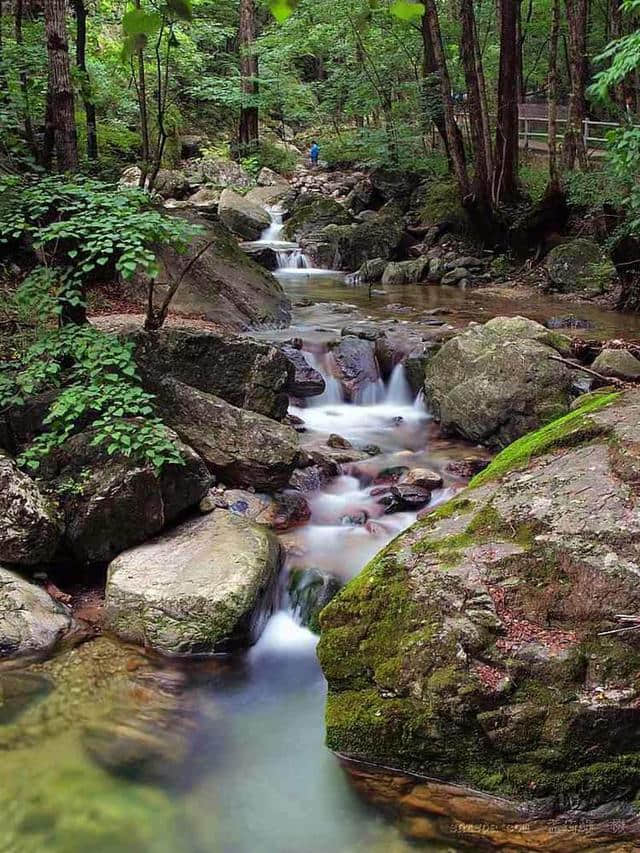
(199, 589)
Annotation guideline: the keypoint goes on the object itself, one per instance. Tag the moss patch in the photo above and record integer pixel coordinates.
(568, 431)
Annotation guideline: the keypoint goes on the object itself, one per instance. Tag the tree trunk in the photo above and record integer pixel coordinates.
(432, 101)
(59, 86)
(85, 83)
(248, 124)
(141, 92)
(573, 148)
(623, 92)
(469, 55)
(454, 137)
(554, 179)
(24, 87)
(505, 179)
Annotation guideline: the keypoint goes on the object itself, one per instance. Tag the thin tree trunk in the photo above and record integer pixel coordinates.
(505, 179)
(85, 83)
(24, 86)
(162, 90)
(60, 88)
(623, 90)
(432, 102)
(554, 179)
(454, 137)
(573, 148)
(468, 53)
(248, 124)
(141, 91)
(486, 125)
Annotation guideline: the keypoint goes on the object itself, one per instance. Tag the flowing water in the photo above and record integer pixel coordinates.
(259, 777)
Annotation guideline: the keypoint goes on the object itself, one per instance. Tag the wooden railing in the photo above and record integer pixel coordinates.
(536, 130)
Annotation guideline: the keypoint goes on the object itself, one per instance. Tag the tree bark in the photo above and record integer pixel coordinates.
(59, 86)
(505, 179)
(470, 56)
(552, 88)
(454, 137)
(24, 86)
(248, 123)
(573, 148)
(85, 83)
(432, 106)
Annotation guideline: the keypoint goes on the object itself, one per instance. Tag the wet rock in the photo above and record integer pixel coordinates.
(405, 272)
(338, 442)
(366, 331)
(580, 265)
(241, 447)
(201, 588)
(222, 283)
(314, 476)
(568, 321)
(436, 269)
(305, 381)
(310, 590)
(495, 382)
(404, 497)
(618, 363)
(30, 528)
(348, 247)
(454, 276)
(415, 365)
(371, 449)
(31, 622)
(467, 467)
(311, 214)
(424, 478)
(291, 510)
(246, 373)
(356, 365)
(391, 475)
(242, 216)
(370, 271)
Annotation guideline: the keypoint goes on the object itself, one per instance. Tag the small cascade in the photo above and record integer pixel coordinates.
(273, 234)
(333, 393)
(398, 391)
(371, 394)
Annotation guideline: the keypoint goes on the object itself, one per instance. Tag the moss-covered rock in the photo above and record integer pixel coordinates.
(472, 648)
(580, 265)
(442, 206)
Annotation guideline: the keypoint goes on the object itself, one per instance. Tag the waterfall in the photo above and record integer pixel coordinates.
(370, 394)
(333, 393)
(398, 390)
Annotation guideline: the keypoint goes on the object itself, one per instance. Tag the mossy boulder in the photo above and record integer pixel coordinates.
(312, 213)
(619, 363)
(203, 587)
(405, 272)
(348, 247)
(472, 649)
(244, 217)
(441, 205)
(581, 266)
(495, 382)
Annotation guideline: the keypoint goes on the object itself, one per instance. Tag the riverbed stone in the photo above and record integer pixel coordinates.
(619, 363)
(429, 652)
(242, 216)
(241, 447)
(405, 272)
(204, 587)
(30, 527)
(580, 265)
(305, 380)
(310, 590)
(356, 365)
(495, 382)
(31, 622)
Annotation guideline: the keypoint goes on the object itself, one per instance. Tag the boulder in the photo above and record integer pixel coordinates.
(30, 529)
(246, 373)
(111, 503)
(280, 193)
(568, 321)
(454, 276)
(363, 196)
(405, 272)
(355, 365)
(493, 383)
(268, 178)
(370, 271)
(243, 217)
(241, 447)
(261, 254)
(305, 381)
(311, 214)
(171, 183)
(392, 184)
(580, 266)
(31, 622)
(422, 477)
(206, 198)
(618, 363)
(477, 647)
(218, 172)
(204, 587)
(221, 284)
(415, 365)
(348, 247)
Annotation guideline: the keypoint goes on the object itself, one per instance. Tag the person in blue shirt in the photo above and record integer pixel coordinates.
(314, 153)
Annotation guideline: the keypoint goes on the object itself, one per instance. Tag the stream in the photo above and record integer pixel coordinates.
(260, 778)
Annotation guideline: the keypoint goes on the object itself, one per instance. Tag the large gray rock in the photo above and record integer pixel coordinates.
(495, 382)
(242, 216)
(222, 284)
(312, 213)
(305, 380)
(618, 363)
(580, 265)
(31, 622)
(280, 192)
(111, 503)
(246, 373)
(405, 272)
(355, 365)
(349, 246)
(218, 172)
(199, 589)
(30, 529)
(241, 447)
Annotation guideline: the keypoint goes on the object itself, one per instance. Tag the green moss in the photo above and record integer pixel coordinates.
(443, 204)
(568, 431)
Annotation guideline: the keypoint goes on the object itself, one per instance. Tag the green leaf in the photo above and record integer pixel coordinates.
(282, 9)
(406, 10)
(138, 22)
